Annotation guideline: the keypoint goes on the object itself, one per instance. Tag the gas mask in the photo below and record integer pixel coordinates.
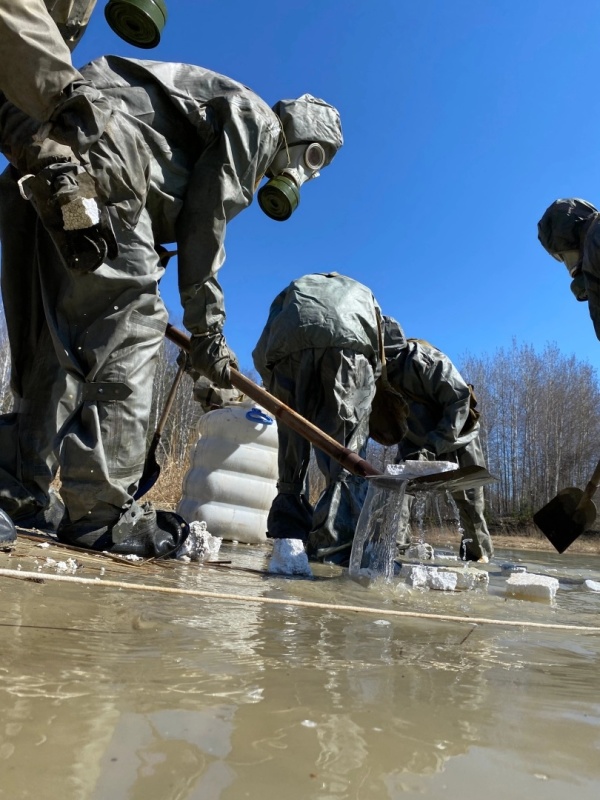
(291, 167)
(572, 261)
(138, 22)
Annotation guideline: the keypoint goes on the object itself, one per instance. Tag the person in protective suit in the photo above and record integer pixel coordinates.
(194, 145)
(39, 84)
(37, 38)
(318, 353)
(442, 425)
(570, 232)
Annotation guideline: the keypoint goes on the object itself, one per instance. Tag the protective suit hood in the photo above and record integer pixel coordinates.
(311, 135)
(394, 339)
(309, 119)
(560, 226)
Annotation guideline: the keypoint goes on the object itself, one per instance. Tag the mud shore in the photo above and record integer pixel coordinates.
(523, 538)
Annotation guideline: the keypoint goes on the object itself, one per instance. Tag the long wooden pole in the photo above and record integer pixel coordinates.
(347, 458)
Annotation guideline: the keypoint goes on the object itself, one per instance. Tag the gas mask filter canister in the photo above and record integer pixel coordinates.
(571, 259)
(138, 22)
(291, 167)
(573, 262)
(578, 288)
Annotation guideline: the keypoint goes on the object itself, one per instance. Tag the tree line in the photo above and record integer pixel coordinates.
(540, 424)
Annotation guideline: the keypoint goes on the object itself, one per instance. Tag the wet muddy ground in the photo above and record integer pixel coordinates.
(111, 692)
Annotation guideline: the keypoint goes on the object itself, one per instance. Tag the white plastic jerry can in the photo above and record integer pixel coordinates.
(232, 478)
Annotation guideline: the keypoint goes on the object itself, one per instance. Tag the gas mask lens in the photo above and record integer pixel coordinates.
(571, 259)
(314, 157)
(138, 22)
(290, 168)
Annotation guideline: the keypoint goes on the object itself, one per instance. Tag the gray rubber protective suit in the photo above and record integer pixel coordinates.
(84, 346)
(194, 125)
(574, 224)
(435, 425)
(318, 353)
(84, 349)
(39, 36)
(36, 40)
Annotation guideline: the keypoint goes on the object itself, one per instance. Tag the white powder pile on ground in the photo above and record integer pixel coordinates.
(69, 566)
(531, 587)
(445, 579)
(442, 581)
(200, 544)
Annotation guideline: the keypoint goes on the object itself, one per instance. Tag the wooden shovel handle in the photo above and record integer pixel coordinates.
(591, 487)
(347, 458)
(170, 400)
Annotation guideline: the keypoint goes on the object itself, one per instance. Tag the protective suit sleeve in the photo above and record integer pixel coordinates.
(260, 354)
(446, 387)
(31, 39)
(221, 185)
(439, 400)
(591, 273)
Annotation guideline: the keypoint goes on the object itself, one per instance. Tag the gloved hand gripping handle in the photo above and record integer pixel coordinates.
(347, 458)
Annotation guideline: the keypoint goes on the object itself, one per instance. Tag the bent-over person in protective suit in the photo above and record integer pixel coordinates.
(570, 231)
(318, 353)
(441, 427)
(183, 155)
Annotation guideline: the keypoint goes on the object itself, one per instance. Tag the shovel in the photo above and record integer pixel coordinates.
(374, 546)
(470, 476)
(455, 480)
(151, 471)
(568, 514)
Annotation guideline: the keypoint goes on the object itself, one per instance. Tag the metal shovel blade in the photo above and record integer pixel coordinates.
(455, 480)
(561, 521)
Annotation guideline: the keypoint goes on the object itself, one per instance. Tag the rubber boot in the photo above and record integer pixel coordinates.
(140, 531)
(44, 519)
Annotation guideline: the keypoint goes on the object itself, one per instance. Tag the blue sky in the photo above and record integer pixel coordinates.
(463, 121)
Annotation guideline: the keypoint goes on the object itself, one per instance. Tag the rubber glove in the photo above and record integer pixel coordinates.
(211, 397)
(210, 356)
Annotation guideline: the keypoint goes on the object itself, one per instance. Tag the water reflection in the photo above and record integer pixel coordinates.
(180, 698)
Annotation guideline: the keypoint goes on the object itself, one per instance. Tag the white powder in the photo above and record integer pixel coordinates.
(200, 545)
(416, 469)
(80, 213)
(531, 587)
(446, 579)
(289, 558)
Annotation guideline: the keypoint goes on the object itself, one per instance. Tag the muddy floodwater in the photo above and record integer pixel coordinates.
(118, 694)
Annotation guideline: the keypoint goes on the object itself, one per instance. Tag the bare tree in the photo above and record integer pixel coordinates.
(540, 424)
